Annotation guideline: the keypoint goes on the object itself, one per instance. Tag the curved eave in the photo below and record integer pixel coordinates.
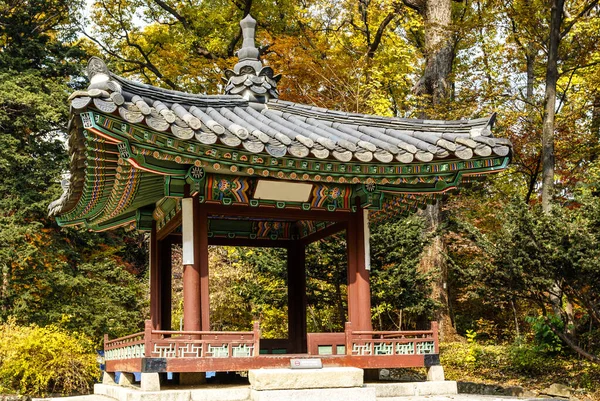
(132, 144)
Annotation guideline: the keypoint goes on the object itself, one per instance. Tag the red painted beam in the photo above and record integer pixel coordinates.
(271, 361)
(284, 214)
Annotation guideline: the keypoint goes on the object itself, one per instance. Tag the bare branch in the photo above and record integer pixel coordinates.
(174, 13)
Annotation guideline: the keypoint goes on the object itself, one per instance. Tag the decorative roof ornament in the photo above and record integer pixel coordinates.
(249, 78)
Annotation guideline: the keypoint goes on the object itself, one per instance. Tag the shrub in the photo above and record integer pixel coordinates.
(530, 360)
(38, 361)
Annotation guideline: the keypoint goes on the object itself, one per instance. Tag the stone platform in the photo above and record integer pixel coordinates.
(326, 384)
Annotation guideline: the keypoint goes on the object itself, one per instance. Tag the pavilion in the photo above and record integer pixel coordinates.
(246, 168)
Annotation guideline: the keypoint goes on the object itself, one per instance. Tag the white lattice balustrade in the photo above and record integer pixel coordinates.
(127, 352)
(361, 349)
(190, 350)
(405, 349)
(242, 350)
(427, 347)
(383, 349)
(218, 352)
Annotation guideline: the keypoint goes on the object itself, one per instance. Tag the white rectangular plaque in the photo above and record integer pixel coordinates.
(283, 191)
(306, 363)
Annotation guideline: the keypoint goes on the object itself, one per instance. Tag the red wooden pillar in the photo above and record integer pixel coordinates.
(202, 254)
(190, 216)
(296, 272)
(154, 280)
(165, 269)
(359, 291)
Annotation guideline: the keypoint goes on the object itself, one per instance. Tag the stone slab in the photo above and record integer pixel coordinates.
(135, 394)
(200, 393)
(288, 379)
(385, 390)
(221, 393)
(320, 394)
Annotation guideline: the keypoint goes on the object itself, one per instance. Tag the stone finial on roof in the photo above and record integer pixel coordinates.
(249, 78)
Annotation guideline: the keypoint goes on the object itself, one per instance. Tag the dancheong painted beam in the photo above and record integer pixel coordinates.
(245, 168)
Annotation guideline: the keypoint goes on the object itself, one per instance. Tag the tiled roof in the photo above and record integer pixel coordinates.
(250, 119)
(278, 127)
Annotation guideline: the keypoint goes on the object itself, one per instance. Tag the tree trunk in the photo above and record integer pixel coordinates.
(434, 262)
(439, 52)
(436, 86)
(516, 317)
(596, 116)
(572, 344)
(557, 7)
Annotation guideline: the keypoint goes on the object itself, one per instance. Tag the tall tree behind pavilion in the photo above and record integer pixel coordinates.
(435, 88)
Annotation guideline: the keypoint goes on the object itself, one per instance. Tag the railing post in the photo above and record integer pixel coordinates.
(256, 330)
(105, 341)
(148, 339)
(434, 328)
(348, 334)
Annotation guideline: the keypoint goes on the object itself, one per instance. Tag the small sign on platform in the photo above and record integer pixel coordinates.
(306, 363)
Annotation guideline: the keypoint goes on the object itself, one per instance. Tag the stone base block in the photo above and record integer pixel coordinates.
(108, 378)
(126, 379)
(435, 373)
(321, 394)
(150, 382)
(296, 379)
(388, 390)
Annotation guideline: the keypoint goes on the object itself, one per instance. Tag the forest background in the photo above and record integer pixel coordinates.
(511, 264)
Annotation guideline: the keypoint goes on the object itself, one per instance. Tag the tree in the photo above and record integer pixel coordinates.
(50, 275)
(400, 291)
(435, 88)
(538, 256)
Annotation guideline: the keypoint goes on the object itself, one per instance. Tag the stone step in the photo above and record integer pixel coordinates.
(388, 390)
(200, 393)
(298, 379)
(317, 394)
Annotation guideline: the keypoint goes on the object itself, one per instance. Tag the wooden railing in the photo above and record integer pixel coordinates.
(203, 344)
(326, 343)
(222, 344)
(392, 342)
(131, 346)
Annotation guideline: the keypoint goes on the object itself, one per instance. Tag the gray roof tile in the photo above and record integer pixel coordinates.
(287, 127)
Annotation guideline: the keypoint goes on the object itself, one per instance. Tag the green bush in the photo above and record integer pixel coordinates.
(524, 364)
(38, 361)
(530, 360)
